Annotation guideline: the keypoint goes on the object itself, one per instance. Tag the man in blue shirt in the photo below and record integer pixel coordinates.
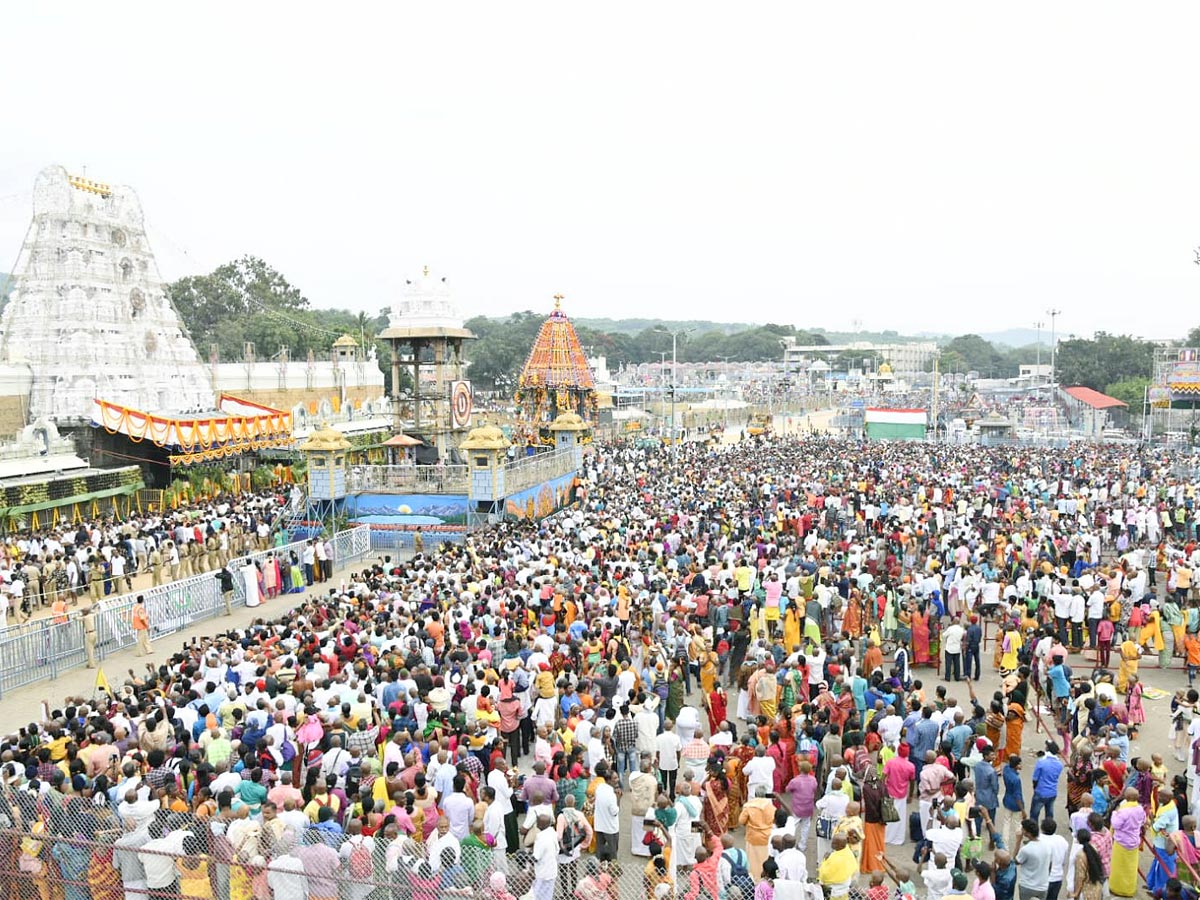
(1060, 679)
(987, 783)
(959, 735)
(971, 645)
(1014, 801)
(922, 737)
(1005, 875)
(1046, 772)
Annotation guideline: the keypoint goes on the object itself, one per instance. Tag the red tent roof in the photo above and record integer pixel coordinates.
(402, 440)
(1094, 399)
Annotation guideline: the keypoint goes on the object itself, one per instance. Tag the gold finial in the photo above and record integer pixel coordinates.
(558, 299)
(427, 271)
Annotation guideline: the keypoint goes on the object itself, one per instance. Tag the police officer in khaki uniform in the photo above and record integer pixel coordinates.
(212, 547)
(96, 577)
(185, 560)
(156, 567)
(196, 557)
(50, 580)
(32, 576)
(89, 634)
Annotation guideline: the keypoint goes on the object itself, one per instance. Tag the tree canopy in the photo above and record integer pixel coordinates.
(1103, 360)
(247, 301)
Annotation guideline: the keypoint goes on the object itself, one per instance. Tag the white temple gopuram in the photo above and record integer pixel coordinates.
(89, 315)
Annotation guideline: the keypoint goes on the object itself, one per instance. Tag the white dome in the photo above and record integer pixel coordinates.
(425, 302)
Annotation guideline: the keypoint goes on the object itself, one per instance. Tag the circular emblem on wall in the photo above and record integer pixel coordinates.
(461, 404)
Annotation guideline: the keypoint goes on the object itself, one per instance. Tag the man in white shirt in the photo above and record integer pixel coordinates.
(286, 879)
(760, 771)
(646, 717)
(442, 841)
(1096, 604)
(952, 641)
(945, 834)
(459, 809)
(667, 746)
(1062, 613)
(135, 811)
(1078, 607)
(545, 857)
(493, 824)
(158, 858)
(792, 864)
(1058, 851)
(607, 819)
(890, 726)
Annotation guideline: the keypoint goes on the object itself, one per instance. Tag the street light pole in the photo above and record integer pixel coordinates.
(1053, 314)
(1038, 326)
(725, 397)
(674, 333)
(662, 380)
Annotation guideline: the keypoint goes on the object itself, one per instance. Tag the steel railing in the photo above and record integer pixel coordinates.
(41, 650)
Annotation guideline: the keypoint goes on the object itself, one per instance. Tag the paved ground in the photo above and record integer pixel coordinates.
(24, 704)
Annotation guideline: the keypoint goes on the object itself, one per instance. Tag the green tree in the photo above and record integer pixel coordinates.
(248, 301)
(981, 356)
(1131, 391)
(1103, 360)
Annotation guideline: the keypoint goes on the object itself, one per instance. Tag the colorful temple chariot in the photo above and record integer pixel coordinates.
(556, 379)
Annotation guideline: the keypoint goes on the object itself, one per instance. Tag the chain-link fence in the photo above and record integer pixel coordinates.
(91, 845)
(94, 857)
(43, 649)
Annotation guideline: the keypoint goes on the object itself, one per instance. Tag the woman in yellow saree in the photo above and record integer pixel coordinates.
(708, 672)
(1131, 653)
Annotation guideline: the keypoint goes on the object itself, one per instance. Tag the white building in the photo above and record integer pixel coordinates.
(905, 359)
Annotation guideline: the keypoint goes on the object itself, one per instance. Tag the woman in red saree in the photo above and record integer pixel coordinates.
(715, 812)
(920, 637)
(826, 701)
(840, 712)
(852, 620)
(735, 778)
(717, 705)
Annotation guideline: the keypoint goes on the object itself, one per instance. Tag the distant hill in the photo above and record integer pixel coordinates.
(637, 326)
(875, 337)
(1018, 337)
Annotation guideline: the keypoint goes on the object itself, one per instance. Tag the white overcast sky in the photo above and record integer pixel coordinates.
(946, 167)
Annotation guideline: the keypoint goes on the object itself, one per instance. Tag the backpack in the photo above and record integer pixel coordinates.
(739, 873)
(361, 867)
(573, 835)
(287, 750)
(353, 777)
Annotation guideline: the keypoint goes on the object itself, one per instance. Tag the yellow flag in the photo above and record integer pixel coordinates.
(102, 683)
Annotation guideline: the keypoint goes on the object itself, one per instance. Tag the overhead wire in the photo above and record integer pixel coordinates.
(275, 313)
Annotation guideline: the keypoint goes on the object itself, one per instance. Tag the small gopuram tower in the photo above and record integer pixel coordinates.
(426, 334)
(556, 379)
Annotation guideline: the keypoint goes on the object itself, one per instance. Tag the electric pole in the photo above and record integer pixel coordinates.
(1053, 314)
(674, 372)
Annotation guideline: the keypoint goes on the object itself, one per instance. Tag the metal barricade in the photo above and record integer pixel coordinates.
(41, 650)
